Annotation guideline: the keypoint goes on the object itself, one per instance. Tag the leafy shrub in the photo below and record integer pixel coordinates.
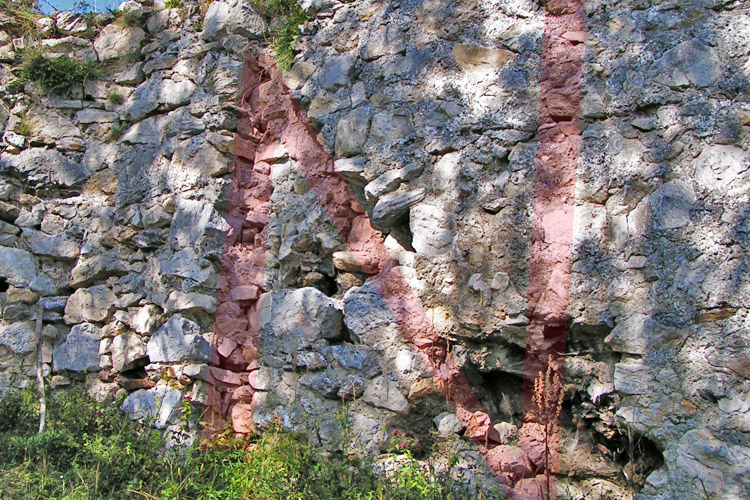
(58, 74)
(173, 4)
(92, 451)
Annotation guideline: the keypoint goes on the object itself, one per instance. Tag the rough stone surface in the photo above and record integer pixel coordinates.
(157, 407)
(179, 339)
(80, 351)
(18, 337)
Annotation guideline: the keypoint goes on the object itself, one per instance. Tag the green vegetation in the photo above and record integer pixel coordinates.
(23, 128)
(115, 132)
(24, 14)
(57, 74)
(92, 451)
(173, 4)
(115, 97)
(284, 17)
(130, 18)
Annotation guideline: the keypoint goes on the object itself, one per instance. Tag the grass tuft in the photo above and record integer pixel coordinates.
(284, 16)
(56, 75)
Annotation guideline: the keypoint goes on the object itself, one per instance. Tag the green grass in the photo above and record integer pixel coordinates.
(92, 451)
(284, 16)
(115, 97)
(56, 75)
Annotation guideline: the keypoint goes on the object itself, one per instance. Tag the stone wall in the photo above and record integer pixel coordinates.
(429, 110)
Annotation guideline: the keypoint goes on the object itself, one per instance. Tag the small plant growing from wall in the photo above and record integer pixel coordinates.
(115, 97)
(56, 75)
(284, 17)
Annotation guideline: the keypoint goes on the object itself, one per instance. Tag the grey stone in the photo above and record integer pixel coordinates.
(179, 339)
(158, 93)
(351, 132)
(157, 407)
(59, 245)
(447, 424)
(232, 16)
(128, 351)
(312, 7)
(335, 73)
(389, 128)
(80, 351)
(91, 268)
(69, 22)
(116, 41)
(304, 315)
(90, 304)
(198, 225)
(722, 169)
(634, 335)
(690, 62)
(351, 169)
(632, 377)
(433, 229)
(44, 168)
(383, 393)
(186, 264)
(181, 301)
(388, 39)
(356, 358)
(392, 179)
(392, 207)
(89, 116)
(668, 207)
(18, 337)
(17, 266)
(326, 383)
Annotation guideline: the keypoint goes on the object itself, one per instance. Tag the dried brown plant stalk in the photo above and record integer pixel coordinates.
(548, 398)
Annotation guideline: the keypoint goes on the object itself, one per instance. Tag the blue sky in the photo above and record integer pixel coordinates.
(101, 5)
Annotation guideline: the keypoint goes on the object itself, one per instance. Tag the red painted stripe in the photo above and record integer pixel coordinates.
(554, 201)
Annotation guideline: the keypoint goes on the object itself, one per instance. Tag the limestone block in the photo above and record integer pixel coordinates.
(470, 57)
(179, 339)
(17, 266)
(351, 132)
(392, 207)
(116, 41)
(335, 72)
(80, 351)
(157, 407)
(69, 22)
(232, 16)
(668, 207)
(18, 337)
(433, 229)
(383, 393)
(181, 301)
(303, 312)
(90, 304)
(689, 63)
(388, 39)
(447, 424)
(632, 377)
(44, 168)
(128, 351)
(59, 246)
